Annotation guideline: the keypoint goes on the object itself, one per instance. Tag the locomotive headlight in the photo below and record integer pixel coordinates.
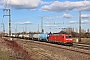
(66, 39)
(48, 35)
(70, 39)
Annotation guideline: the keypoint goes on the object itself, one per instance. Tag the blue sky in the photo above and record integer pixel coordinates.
(57, 14)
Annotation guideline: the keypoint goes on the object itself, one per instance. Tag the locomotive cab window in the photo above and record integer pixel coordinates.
(68, 36)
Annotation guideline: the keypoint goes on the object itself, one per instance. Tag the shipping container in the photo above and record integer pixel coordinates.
(44, 37)
(31, 36)
(36, 36)
(26, 36)
(21, 36)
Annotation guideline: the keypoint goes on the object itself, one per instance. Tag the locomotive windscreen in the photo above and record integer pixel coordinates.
(68, 36)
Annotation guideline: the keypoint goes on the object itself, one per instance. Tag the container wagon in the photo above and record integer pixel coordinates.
(36, 36)
(26, 36)
(31, 36)
(44, 37)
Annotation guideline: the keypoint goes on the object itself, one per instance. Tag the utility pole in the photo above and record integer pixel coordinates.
(79, 26)
(23, 30)
(9, 20)
(16, 30)
(42, 25)
(3, 33)
(3, 27)
(26, 28)
(38, 27)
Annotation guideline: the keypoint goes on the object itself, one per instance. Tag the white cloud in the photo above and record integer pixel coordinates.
(58, 16)
(22, 4)
(47, 25)
(50, 25)
(73, 22)
(48, 18)
(76, 22)
(85, 15)
(67, 16)
(85, 21)
(55, 6)
(67, 6)
(27, 22)
(19, 22)
(53, 23)
(44, 2)
(1, 1)
(1, 7)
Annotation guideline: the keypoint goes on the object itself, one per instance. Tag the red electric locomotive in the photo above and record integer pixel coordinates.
(61, 38)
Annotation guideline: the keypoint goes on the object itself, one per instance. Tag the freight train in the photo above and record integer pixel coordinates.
(56, 38)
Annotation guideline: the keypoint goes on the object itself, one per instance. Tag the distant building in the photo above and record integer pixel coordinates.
(83, 30)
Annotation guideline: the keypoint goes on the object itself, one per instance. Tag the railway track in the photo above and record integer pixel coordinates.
(79, 48)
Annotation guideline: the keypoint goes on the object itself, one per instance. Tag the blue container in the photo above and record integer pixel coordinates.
(44, 37)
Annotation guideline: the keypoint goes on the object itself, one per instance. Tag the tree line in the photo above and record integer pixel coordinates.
(76, 35)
